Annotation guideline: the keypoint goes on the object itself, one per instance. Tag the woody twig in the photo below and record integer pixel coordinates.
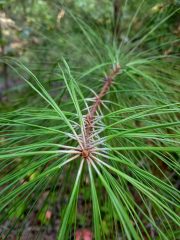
(89, 119)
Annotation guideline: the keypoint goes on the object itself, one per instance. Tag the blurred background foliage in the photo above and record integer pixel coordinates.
(40, 32)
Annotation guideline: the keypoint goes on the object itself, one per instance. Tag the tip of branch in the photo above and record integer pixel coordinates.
(117, 68)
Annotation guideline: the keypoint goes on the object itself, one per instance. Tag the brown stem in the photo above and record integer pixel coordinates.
(105, 88)
(90, 116)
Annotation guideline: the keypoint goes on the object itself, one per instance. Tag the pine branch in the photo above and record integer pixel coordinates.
(89, 119)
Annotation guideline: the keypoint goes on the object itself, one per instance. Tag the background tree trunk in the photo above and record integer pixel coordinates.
(117, 9)
(4, 65)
